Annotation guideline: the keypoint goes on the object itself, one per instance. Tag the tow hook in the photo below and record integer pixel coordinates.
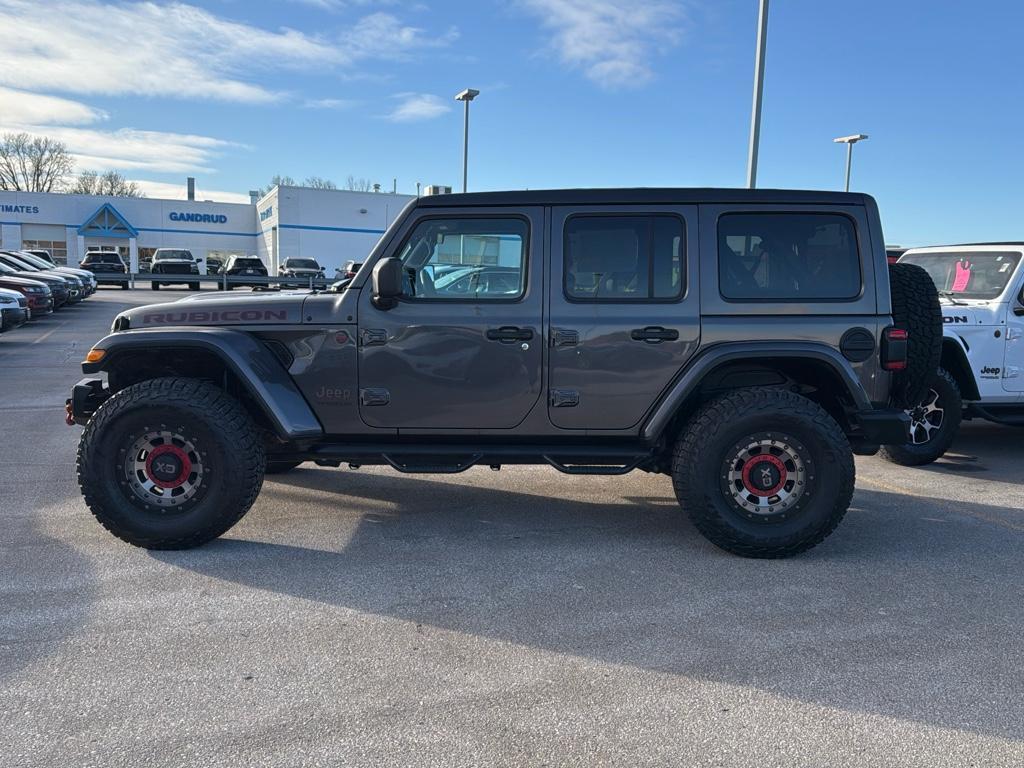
(69, 415)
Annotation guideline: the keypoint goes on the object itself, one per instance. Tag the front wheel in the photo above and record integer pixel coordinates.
(155, 286)
(933, 424)
(193, 286)
(170, 463)
(763, 472)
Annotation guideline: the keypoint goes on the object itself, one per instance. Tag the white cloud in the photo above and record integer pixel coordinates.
(383, 35)
(168, 191)
(328, 103)
(175, 49)
(418, 106)
(612, 42)
(130, 149)
(34, 108)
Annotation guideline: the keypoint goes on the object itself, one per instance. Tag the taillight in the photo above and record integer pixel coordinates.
(894, 349)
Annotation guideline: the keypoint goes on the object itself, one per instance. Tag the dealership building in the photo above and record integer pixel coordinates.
(331, 226)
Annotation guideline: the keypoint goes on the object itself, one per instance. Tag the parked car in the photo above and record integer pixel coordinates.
(349, 269)
(245, 266)
(58, 286)
(176, 262)
(88, 278)
(75, 287)
(37, 294)
(303, 269)
(108, 267)
(14, 311)
(981, 372)
(214, 265)
(744, 342)
(43, 254)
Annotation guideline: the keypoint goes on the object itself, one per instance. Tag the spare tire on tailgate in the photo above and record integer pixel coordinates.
(916, 309)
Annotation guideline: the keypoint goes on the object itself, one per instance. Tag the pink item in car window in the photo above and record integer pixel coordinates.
(963, 276)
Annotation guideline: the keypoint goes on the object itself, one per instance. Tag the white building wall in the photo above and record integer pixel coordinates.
(331, 226)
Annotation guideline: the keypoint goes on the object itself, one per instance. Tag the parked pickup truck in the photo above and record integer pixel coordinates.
(746, 343)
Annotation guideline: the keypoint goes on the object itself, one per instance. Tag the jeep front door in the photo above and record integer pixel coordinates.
(462, 347)
(624, 311)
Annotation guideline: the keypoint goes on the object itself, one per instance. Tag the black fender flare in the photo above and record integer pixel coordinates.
(704, 362)
(957, 363)
(260, 372)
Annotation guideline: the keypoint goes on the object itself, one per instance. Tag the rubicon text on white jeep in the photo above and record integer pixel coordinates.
(744, 342)
(981, 373)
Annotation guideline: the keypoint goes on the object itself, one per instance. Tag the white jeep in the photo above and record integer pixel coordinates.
(981, 375)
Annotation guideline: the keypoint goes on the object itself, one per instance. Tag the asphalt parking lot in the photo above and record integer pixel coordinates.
(519, 617)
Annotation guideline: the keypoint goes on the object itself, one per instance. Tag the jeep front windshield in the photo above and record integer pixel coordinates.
(968, 274)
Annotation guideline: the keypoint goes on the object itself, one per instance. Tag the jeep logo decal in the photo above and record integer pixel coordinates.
(954, 319)
(990, 373)
(214, 316)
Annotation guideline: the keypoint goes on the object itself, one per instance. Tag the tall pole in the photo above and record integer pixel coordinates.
(849, 162)
(755, 112)
(465, 146)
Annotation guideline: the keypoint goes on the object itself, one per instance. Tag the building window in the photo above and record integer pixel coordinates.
(624, 258)
(788, 257)
(466, 259)
(58, 249)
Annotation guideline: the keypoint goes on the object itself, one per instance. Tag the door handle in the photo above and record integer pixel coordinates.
(509, 333)
(654, 334)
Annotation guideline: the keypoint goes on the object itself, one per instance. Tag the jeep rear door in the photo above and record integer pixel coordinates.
(623, 307)
(463, 347)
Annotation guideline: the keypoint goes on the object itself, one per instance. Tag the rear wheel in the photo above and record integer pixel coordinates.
(193, 286)
(933, 424)
(763, 472)
(124, 286)
(155, 286)
(170, 463)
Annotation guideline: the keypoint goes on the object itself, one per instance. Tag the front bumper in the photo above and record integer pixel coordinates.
(40, 305)
(13, 317)
(86, 396)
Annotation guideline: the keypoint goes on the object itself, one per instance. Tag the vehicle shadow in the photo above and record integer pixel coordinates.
(989, 451)
(627, 581)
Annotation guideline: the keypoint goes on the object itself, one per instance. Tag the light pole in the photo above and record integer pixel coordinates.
(465, 97)
(755, 110)
(849, 141)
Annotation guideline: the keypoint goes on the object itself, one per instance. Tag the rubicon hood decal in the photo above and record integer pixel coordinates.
(220, 311)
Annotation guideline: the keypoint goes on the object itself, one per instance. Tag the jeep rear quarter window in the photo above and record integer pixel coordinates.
(466, 259)
(623, 258)
(788, 257)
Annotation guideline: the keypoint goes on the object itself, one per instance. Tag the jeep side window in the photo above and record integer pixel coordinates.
(624, 258)
(788, 257)
(466, 259)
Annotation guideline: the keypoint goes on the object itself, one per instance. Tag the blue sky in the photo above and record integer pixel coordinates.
(574, 93)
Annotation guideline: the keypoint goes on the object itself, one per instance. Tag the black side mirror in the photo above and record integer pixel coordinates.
(387, 283)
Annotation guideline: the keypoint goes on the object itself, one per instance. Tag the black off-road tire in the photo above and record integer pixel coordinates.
(915, 309)
(704, 454)
(155, 286)
(226, 443)
(277, 467)
(945, 393)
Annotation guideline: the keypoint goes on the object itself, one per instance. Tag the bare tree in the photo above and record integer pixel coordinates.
(33, 163)
(358, 185)
(277, 180)
(316, 182)
(110, 183)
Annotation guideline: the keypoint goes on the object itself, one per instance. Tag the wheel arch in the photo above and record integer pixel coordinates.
(234, 360)
(954, 360)
(815, 370)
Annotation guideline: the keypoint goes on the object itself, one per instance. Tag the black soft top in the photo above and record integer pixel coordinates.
(645, 196)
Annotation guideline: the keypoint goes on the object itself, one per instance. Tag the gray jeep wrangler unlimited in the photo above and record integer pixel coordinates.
(744, 342)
